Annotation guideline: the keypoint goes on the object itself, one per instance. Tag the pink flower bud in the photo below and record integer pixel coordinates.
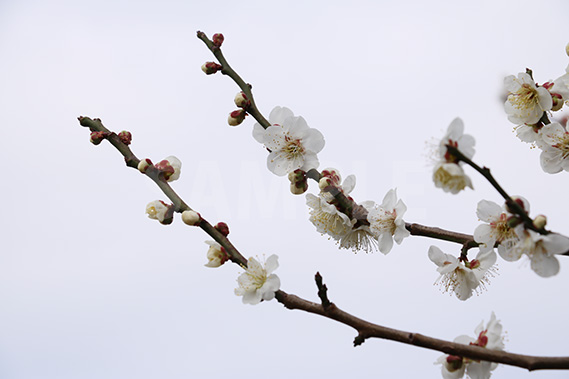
(97, 137)
(241, 100)
(211, 68)
(170, 168)
(125, 137)
(222, 228)
(236, 117)
(191, 218)
(217, 39)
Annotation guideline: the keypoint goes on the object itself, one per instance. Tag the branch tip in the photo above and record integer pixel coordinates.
(322, 291)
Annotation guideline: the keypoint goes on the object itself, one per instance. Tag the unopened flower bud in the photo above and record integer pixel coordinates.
(222, 228)
(216, 255)
(297, 176)
(170, 168)
(298, 188)
(540, 221)
(211, 68)
(191, 218)
(125, 137)
(454, 362)
(567, 49)
(144, 164)
(236, 117)
(333, 174)
(521, 201)
(97, 137)
(557, 101)
(217, 39)
(241, 100)
(324, 183)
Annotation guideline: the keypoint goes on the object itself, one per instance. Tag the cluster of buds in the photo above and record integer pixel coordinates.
(97, 137)
(298, 182)
(125, 137)
(236, 117)
(211, 68)
(169, 167)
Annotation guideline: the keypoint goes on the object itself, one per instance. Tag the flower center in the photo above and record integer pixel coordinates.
(152, 211)
(562, 144)
(524, 98)
(501, 230)
(293, 148)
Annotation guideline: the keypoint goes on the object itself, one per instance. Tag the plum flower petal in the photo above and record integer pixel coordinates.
(292, 143)
(526, 102)
(258, 283)
(488, 337)
(386, 221)
(463, 278)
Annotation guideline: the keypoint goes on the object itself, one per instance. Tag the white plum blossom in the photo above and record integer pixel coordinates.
(488, 337)
(451, 178)
(541, 250)
(216, 255)
(448, 174)
(156, 210)
(455, 137)
(555, 148)
(495, 229)
(258, 283)
(327, 218)
(386, 221)
(526, 102)
(463, 278)
(292, 143)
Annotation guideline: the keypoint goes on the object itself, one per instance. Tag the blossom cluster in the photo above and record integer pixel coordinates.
(489, 337)
(528, 106)
(366, 226)
(448, 173)
(515, 240)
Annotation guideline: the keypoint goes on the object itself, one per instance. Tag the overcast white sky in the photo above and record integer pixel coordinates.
(91, 288)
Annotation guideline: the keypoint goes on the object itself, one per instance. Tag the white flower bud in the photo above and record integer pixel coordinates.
(144, 164)
(540, 221)
(324, 182)
(191, 218)
(216, 255)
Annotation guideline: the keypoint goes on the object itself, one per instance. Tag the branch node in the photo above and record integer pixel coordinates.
(322, 291)
(360, 339)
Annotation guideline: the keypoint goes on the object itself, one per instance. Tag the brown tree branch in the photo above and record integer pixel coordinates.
(328, 309)
(367, 330)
